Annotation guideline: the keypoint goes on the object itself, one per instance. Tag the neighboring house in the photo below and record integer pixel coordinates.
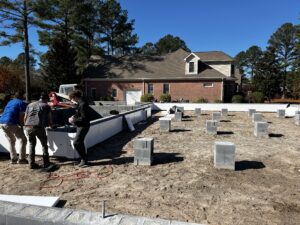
(183, 75)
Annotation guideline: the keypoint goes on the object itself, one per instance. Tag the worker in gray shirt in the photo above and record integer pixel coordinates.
(38, 116)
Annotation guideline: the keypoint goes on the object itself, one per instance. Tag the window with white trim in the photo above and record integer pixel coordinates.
(114, 93)
(191, 67)
(166, 88)
(208, 84)
(150, 89)
(93, 93)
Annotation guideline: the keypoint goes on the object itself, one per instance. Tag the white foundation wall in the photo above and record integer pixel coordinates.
(234, 107)
(60, 141)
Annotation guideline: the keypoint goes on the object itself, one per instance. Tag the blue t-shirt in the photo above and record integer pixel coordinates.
(12, 111)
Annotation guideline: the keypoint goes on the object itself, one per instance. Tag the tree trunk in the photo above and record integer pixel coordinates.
(26, 49)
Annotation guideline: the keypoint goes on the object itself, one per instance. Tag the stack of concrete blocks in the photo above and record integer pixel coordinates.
(180, 109)
(251, 111)
(143, 151)
(224, 155)
(297, 119)
(261, 129)
(216, 116)
(165, 124)
(198, 111)
(280, 113)
(211, 126)
(256, 117)
(224, 112)
(178, 116)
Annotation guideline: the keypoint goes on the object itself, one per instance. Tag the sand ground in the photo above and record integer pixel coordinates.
(182, 184)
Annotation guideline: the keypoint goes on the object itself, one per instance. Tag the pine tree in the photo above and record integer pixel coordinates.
(16, 16)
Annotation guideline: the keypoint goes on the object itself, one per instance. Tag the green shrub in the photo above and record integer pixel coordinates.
(107, 98)
(218, 101)
(202, 100)
(165, 98)
(258, 97)
(147, 98)
(237, 99)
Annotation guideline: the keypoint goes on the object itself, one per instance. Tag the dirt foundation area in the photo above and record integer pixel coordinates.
(182, 184)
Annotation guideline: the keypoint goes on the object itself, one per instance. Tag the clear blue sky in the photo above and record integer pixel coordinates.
(205, 25)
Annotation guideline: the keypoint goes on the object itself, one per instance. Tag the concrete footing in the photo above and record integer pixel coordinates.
(178, 116)
(216, 116)
(224, 112)
(197, 111)
(165, 124)
(211, 126)
(22, 214)
(297, 119)
(261, 129)
(224, 155)
(280, 113)
(143, 151)
(256, 117)
(180, 109)
(251, 111)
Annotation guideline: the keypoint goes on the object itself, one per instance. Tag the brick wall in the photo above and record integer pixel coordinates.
(188, 90)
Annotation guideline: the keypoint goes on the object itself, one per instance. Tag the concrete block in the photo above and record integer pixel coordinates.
(165, 124)
(54, 215)
(211, 126)
(180, 109)
(143, 151)
(216, 116)
(224, 112)
(256, 117)
(281, 113)
(156, 222)
(130, 220)
(82, 218)
(197, 111)
(297, 119)
(251, 111)
(224, 155)
(261, 129)
(178, 116)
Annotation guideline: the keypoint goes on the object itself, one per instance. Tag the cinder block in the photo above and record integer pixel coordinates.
(280, 113)
(297, 119)
(224, 112)
(251, 111)
(165, 124)
(211, 126)
(261, 129)
(178, 116)
(197, 111)
(143, 151)
(216, 116)
(256, 117)
(224, 155)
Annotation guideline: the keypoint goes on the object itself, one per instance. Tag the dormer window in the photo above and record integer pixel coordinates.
(191, 67)
(191, 64)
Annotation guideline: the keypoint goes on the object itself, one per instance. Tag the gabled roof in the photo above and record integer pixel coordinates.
(213, 56)
(170, 66)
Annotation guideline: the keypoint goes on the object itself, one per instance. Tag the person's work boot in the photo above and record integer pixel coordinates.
(34, 166)
(46, 161)
(13, 161)
(22, 161)
(83, 164)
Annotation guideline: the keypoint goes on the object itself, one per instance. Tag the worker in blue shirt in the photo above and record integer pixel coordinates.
(11, 123)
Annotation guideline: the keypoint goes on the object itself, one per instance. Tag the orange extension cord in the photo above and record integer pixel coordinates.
(75, 176)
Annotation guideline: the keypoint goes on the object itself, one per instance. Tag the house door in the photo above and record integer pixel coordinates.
(133, 96)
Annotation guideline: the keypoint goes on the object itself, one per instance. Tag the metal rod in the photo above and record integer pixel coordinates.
(103, 208)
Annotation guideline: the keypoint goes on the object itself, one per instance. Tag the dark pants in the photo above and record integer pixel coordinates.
(81, 132)
(40, 133)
